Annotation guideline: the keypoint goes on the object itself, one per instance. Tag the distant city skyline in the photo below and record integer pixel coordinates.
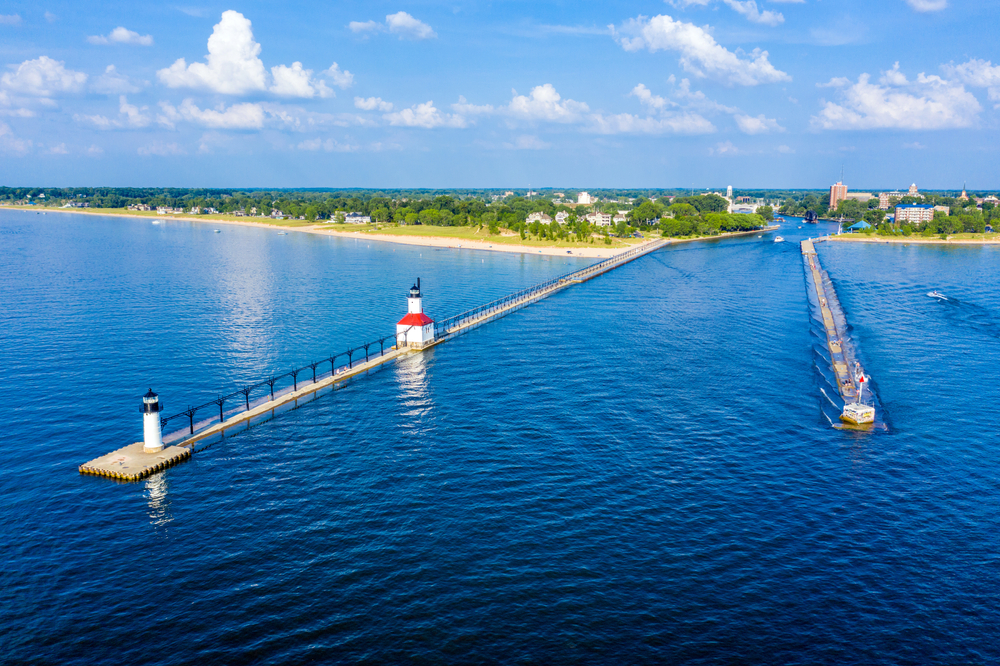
(760, 94)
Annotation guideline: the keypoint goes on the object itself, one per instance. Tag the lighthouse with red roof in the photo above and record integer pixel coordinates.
(415, 329)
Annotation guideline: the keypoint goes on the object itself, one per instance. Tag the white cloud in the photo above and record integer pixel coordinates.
(748, 8)
(927, 5)
(930, 102)
(232, 66)
(50, 17)
(130, 116)
(463, 107)
(95, 150)
(10, 144)
(916, 145)
(372, 104)
(114, 83)
(725, 148)
(697, 99)
(6, 101)
(979, 74)
(699, 53)
(545, 103)
(365, 27)
(785, 150)
(527, 142)
(237, 116)
(58, 149)
(626, 123)
(757, 124)
(330, 146)
(400, 23)
(10, 19)
(295, 81)
(340, 78)
(122, 35)
(424, 115)
(407, 27)
(43, 77)
(161, 148)
(651, 101)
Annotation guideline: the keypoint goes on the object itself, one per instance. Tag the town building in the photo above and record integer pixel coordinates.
(584, 199)
(916, 213)
(538, 217)
(838, 193)
(357, 218)
(863, 197)
(884, 199)
(600, 219)
(619, 218)
(562, 217)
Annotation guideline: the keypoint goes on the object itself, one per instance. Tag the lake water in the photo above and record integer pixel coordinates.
(639, 469)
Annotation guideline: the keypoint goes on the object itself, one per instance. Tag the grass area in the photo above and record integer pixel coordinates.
(483, 236)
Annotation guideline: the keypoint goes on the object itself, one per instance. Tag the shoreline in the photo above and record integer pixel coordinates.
(448, 242)
(852, 238)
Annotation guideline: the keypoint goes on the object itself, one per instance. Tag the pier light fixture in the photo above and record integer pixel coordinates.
(152, 437)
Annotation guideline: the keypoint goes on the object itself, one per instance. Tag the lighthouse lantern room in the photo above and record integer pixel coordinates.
(151, 408)
(415, 329)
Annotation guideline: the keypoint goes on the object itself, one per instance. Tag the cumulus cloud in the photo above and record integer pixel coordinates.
(757, 124)
(699, 53)
(929, 102)
(651, 101)
(401, 23)
(130, 117)
(10, 144)
(978, 74)
(725, 148)
(122, 35)
(927, 5)
(785, 150)
(463, 107)
(544, 103)
(161, 148)
(114, 83)
(527, 142)
(58, 149)
(748, 8)
(424, 115)
(43, 77)
(295, 81)
(10, 19)
(231, 66)
(237, 116)
(340, 78)
(372, 104)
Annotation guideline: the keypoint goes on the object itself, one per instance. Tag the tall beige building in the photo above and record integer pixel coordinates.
(838, 193)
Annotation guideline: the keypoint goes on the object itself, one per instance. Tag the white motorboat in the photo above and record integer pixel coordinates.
(938, 295)
(857, 412)
(779, 239)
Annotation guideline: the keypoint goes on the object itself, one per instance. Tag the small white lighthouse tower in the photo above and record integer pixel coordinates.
(152, 441)
(415, 329)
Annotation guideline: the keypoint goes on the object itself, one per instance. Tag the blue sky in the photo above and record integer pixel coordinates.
(753, 93)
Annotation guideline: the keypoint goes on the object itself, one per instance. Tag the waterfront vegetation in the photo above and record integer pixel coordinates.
(456, 215)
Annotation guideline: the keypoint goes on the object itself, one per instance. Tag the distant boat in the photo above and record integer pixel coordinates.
(779, 239)
(937, 294)
(811, 217)
(156, 221)
(858, 412)
(282, 233)
(218, 231)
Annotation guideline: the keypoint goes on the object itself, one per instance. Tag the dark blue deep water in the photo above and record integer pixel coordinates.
(639, 469)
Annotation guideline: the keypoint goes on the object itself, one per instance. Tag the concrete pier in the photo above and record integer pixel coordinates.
(834, 337)
(131, 463)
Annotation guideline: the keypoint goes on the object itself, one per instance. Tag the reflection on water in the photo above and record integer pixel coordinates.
(155, 494)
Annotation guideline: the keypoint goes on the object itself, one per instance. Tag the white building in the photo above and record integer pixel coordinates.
(415, 329)
(914, 213)
(600, 219)
(584, 199)
(538, 217)
(357, 218)
(620, 217)
(562, 216)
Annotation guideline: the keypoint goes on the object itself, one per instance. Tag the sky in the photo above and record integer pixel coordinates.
(644, 94)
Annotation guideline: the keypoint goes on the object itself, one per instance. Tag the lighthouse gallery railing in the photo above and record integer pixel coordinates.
(241, 397)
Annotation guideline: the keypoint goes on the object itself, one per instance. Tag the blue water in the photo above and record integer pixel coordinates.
(635, 470)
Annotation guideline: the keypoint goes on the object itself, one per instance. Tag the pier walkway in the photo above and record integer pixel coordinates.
(131, 463)
(834, 335)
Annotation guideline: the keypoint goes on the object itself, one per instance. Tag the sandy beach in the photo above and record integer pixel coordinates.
(592, 251)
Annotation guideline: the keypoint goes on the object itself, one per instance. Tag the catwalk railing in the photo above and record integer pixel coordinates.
(252, 395)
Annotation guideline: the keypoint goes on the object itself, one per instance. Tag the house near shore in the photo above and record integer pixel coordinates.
(562, 217)
(357, 218)
(538, 217)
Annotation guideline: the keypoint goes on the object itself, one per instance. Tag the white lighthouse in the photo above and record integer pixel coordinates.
(152, 441)
(415, 329)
